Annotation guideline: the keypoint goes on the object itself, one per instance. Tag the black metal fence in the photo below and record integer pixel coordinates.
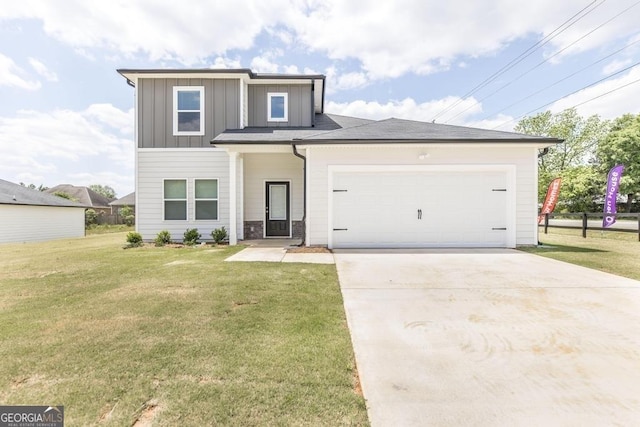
(624, 225)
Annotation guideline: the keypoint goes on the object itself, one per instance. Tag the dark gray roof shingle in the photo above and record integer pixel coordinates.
(14, 194)
(84, 195)
(342, 129)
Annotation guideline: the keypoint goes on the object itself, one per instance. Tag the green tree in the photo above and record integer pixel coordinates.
(622, 146)
(33, 186)
(105, 190)
(573, 159)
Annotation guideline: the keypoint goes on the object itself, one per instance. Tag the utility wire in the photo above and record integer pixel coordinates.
(561, 80)
(578, 90)
(524, 55)
(543, 62)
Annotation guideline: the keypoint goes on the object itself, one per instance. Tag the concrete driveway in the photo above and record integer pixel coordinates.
(491, 337)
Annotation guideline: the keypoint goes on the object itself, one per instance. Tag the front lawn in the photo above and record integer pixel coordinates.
(173, 336)
(613, 252)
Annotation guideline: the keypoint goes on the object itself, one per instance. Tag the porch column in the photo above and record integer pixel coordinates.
(233, 208)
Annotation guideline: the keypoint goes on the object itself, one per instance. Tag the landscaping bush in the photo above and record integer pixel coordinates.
(134, 239)
(130, 220)
(219, 235)
(90, 217)
(191, 237)
(163, 238)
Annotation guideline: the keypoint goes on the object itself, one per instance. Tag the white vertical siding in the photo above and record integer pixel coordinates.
(319, 158)
(259, 168)
(156, 165)
(24, 223)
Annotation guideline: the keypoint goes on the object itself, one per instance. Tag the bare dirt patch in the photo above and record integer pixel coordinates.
(148, 412)
(309, 250)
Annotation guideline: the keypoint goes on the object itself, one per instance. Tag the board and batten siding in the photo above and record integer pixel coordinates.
(27, 223)
(260, 168)
(155, 111)
(154, 166)
(300, 105)
(523, 158)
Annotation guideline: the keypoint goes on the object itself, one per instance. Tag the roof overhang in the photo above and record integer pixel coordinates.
(395, 143)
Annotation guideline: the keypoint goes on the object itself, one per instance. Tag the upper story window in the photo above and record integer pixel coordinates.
(277, 107)
(188, 110)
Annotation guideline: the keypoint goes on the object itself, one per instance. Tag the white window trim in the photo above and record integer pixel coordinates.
(206, 199)
(177, 89)
(285, 95)
(186, 201)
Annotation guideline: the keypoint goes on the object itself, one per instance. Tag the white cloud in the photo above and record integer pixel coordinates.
(264, 64)
(222, 62)
(63, 145)
(42, 69)
(614, 66)
(10, 75)
(407, 108)
(350, 80)
(499, 122)
(387, 40)
(625, 92)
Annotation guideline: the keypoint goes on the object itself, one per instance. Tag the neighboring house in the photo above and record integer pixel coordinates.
(28, 215)
(128, 200)
(256, 153)
(84, 196)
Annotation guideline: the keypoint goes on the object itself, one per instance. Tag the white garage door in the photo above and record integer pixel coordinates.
(420, 209)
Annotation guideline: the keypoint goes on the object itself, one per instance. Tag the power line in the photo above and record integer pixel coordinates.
(578, 90)
(545, 61)
(559, 30)
(561, 80)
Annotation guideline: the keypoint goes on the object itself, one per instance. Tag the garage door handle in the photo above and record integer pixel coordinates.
(499, 228)
(340, 229)
(419, 213)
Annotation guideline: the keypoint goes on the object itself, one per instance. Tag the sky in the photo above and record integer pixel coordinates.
(66, 115)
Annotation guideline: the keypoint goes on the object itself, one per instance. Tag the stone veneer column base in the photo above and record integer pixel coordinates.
(255, 230)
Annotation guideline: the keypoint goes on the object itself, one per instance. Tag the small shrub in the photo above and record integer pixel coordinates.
(90, 217)
(219, 235)
(134, 239)
(125, 211)
(130, 220)
(191, 236)
(163, 238)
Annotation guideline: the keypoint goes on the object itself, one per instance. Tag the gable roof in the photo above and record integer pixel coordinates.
(83, 195)
(128, 200)
(333, 129)
(14, 194)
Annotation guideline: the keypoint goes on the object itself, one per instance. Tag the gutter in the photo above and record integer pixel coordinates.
(304, 193)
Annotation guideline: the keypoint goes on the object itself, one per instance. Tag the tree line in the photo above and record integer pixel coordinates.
(591, 147)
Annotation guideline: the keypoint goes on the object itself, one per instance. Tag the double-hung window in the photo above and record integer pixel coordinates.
(175, 199)
(206, 199)
(188, 110)
(277, 107)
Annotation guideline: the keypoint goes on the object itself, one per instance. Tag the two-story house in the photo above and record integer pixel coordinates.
(257, 154)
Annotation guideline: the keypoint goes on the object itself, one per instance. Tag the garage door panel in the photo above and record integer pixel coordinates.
(420, 209)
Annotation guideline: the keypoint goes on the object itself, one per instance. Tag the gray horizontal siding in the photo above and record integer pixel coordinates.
(157, 165)
(28, 223)
(155, 111)
(300, 105)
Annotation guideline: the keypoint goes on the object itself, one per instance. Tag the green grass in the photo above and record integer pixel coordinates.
(613, 252)
(173, 335)
(107, 228)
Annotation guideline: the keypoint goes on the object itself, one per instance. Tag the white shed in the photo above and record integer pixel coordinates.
(28, 215)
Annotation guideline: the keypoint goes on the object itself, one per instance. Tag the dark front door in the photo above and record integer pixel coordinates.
(277, 219)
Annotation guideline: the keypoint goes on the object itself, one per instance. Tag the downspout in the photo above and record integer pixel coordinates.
(304, 193)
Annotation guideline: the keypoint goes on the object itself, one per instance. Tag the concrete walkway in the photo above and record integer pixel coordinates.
(491, 337)
(280, 254)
